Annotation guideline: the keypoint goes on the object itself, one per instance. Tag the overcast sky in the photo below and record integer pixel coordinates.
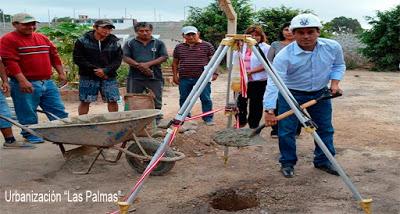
(174, 10)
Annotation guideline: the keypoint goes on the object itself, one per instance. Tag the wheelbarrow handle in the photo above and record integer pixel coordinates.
(30, 131)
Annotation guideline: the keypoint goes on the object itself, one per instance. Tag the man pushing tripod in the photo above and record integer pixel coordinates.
(306, 66)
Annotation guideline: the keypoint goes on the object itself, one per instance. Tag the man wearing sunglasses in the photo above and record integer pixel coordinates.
(29, 58)
(98, 56)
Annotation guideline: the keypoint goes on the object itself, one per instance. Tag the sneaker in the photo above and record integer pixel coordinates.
(209, 123)
(18, 145)
(34, 139)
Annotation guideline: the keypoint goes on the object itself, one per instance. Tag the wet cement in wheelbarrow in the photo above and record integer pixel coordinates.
(237, 137)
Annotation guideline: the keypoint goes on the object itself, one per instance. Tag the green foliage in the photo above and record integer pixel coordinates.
(383, 40)
(212, 22)
(343, 24)
(168, 63)
(122, 73)
(64, 36)
(272, 19)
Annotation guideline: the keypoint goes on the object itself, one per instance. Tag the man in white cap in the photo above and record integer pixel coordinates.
(190, 58)
(29, 58)
(307, 66)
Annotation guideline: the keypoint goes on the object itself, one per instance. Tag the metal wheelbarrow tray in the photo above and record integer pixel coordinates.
(105, 131)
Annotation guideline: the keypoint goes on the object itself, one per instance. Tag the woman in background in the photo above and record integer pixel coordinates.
(285, 38)
(257, 80)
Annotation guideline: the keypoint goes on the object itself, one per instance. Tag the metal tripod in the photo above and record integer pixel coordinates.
(230, 43)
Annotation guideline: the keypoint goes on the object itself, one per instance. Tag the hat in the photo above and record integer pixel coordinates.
(305, 20)
(104, 22)
(189, 29)
(23, 18)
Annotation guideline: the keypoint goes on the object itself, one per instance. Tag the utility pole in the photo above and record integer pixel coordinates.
(99, 14)
(73, 18)
(48, 13)
(125, 14)
(226, 6)
(4, 19)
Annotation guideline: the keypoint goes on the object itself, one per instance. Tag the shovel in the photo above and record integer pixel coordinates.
(246, 137)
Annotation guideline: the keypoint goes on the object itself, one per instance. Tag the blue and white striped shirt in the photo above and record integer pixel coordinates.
(306, 70)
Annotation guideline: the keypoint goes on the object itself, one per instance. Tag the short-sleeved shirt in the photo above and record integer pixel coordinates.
(139, 52)
(192, 59)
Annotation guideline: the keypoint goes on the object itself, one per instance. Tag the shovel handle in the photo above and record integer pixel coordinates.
(284, 115)
(290, 112)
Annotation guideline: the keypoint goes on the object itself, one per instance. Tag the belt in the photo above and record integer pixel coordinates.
(308, 92)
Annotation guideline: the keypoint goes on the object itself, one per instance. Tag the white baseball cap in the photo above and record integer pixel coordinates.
(189, 29)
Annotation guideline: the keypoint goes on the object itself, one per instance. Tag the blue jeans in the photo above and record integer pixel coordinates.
(4, 111)
(45, 94)
(185, 87)
(321, 114)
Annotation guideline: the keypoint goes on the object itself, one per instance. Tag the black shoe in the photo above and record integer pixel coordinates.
(329, 168)
(274, 134)
(287, 171)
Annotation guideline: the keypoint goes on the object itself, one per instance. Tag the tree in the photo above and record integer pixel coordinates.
(343, 24)
(212, 22)
(272, 19)
(383, 40)
(64, 36)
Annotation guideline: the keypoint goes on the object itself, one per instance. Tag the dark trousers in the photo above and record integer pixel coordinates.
(255, 94)
(274, 130)
(321, 114)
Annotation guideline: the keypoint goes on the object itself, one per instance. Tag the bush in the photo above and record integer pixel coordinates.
(383, 40)
(122, 74)
(64, 36)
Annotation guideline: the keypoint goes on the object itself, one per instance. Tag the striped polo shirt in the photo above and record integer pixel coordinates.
(192, 59)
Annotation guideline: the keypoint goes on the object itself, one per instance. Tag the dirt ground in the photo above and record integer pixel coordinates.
(367, 122)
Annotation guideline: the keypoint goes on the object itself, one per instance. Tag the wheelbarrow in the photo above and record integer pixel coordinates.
(114, 130)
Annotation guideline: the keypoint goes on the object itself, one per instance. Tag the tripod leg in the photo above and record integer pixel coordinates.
(228, 99)
(365, 203)
(183, 112)
(201, 79)
(282, 87)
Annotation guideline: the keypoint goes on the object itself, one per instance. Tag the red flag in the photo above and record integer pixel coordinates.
(243, 77)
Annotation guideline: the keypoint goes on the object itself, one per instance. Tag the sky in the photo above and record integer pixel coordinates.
(176, 10)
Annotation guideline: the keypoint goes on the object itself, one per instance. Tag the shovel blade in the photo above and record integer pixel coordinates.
(237, 137)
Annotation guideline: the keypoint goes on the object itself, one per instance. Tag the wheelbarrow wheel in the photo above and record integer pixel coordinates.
(150, 146)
